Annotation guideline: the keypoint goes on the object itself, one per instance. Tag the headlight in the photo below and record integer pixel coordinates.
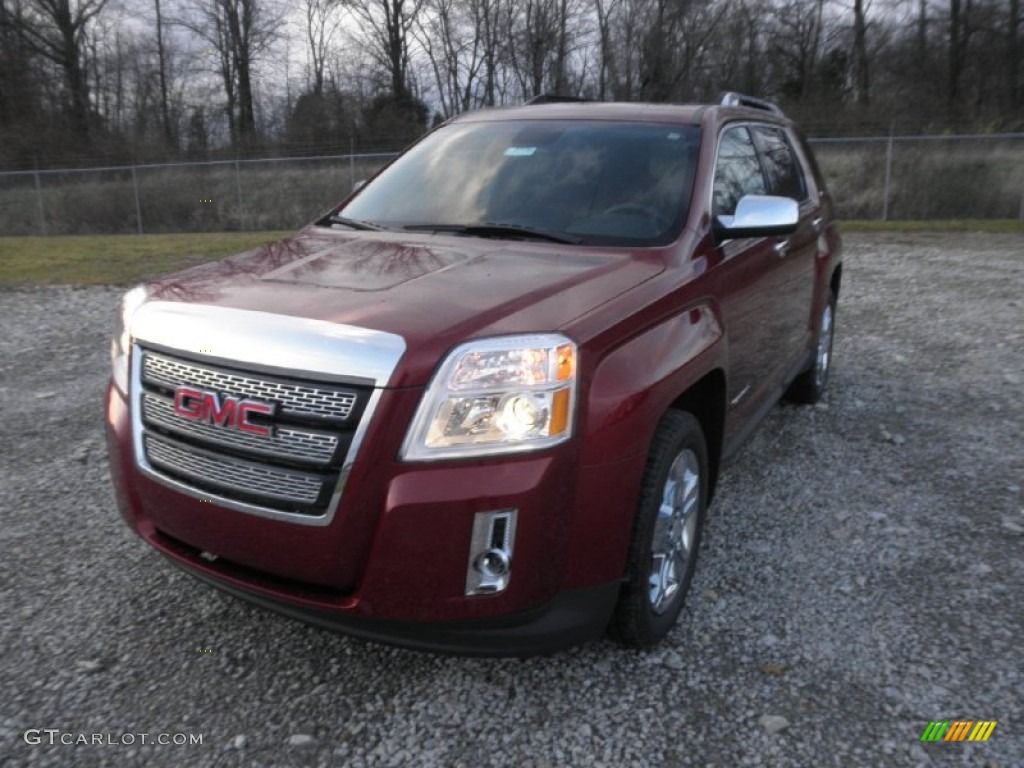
(500, 395)
(121, 344)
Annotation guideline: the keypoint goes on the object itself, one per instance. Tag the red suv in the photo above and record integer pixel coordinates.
(481, 406)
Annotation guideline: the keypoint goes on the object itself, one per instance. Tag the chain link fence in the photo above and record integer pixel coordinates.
(918, 178)
(214, 196)
(889, 177)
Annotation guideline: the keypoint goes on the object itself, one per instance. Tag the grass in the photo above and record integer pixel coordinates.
(128, 259)
(114, 259)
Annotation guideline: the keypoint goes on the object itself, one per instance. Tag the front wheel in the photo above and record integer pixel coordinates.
(666, 533)
(809, 387)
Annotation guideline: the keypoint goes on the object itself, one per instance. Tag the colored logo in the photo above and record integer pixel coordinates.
(958, 730)
(221, 411)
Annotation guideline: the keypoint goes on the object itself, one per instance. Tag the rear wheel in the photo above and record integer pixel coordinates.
(810, 386)
(666, 533)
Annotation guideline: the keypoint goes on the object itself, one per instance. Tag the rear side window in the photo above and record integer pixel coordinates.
(781, 166)
(737, 171)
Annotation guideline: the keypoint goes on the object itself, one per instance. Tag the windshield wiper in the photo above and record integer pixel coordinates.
(351, 223)
(494, 229)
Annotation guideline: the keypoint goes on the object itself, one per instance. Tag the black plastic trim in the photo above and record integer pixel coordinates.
(572, 617)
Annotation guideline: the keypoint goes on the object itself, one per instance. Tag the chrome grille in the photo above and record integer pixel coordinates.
(295, 443)
(295, 469)
(305, 399)
(233, 475)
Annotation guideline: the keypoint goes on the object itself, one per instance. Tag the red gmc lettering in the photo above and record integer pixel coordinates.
(215, 413)
(243, 417)
(186, 402)
(197, 405)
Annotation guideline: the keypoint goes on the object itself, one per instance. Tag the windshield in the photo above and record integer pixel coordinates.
(598, 183)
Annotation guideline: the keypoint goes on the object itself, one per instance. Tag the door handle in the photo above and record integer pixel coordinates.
(781, 247)
(817, 223)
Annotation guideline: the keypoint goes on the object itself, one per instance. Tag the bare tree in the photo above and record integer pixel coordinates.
(238, 19)
(534, 44)
(606, 11)
(56, 30)
(560, 79)
(674, 46)
(632, 25)
(737, 50)
(752, 51)
(71, 71)
(109, 51)
(798, 36)
(959, 35)
(18, 94)
(922, 29)
(453, 50)
(388, 24)
(862, 75)
(487, 16)
(322, 22)
(1013, 88)
(165, 112)
(240, 31)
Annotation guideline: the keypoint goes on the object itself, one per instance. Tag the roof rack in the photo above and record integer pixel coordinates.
(553, 98)
(733, 99)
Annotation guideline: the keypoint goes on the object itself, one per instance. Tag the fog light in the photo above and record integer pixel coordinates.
(490, 552)
(493, 563)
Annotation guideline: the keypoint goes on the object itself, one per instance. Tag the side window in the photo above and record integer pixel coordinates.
(781, 166)
(737, 171)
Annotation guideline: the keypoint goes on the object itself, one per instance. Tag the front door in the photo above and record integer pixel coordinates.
(754, 284)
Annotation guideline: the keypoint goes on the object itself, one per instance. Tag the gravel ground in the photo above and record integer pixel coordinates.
(861, 576)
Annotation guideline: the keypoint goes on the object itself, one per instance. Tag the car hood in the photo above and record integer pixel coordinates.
(435, 291)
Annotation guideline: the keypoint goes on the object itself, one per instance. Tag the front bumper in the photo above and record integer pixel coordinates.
(391, 565)
(570, 618)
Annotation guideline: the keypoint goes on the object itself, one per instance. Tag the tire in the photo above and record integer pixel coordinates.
(666, 533)
(810, 386)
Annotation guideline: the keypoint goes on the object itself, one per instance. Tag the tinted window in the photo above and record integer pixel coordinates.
(780, 164)
(607, 183)
(737, 172)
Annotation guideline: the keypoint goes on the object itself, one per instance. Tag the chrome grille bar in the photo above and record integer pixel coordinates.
(287, 442)
(322, 380)
(257, 472)
(295, 399)
(231, 474)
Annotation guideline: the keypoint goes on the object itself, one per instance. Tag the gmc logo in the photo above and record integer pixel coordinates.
(221, 411)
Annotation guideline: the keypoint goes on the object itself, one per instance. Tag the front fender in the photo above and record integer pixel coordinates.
(630, 390)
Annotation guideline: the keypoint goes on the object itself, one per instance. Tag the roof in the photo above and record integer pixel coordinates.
(678, 114)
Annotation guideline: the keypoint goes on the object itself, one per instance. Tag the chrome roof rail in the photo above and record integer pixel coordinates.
(733, 99)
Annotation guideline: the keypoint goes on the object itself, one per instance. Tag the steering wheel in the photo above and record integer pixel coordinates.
(659, 219)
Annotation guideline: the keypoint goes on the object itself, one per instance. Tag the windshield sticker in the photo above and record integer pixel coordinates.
(673, 136)
(520, 151)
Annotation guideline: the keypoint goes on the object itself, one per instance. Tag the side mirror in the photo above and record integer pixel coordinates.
(759, 216)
